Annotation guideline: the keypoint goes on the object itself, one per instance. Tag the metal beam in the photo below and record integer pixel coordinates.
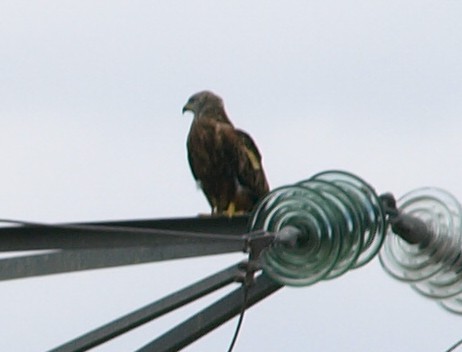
(114, 233)
(86, 236)
(79, 260)
(151, 311)
(76, 247)
(212, 317)
(205, 224)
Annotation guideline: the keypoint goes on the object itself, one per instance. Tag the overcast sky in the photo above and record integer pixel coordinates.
(91, 94)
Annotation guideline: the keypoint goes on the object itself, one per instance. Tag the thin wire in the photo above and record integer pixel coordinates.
(241, 318)
(453, 347)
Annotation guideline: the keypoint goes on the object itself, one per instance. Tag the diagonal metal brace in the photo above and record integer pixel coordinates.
(203, 322)
(212, 316)
(151, 311)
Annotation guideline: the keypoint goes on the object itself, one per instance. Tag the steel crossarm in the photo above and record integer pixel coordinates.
(76, 247)
(119, 234)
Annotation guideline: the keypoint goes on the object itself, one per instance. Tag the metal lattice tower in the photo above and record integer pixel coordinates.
(317, 229)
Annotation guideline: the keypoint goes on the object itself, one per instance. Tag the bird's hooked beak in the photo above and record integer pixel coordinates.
(187, 107)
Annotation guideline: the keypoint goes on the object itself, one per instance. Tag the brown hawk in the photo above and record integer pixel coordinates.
(224, 160)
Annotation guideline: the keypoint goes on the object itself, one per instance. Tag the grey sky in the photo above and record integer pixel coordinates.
(91, 96)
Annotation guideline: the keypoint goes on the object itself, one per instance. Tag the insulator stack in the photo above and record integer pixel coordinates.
(430, 259)
(324, 226)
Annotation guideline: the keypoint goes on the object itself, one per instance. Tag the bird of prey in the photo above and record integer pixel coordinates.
(224, 160)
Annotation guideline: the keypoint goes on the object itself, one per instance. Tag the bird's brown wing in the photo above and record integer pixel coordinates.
(191, 158)
(198, 159)
(212, 156)
(250, 168)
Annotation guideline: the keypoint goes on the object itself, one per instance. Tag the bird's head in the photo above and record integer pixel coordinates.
(202, 101)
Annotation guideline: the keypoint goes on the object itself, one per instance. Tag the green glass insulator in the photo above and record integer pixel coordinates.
(434, 266)
(339, 224)
(368, 208)
(318, 244)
